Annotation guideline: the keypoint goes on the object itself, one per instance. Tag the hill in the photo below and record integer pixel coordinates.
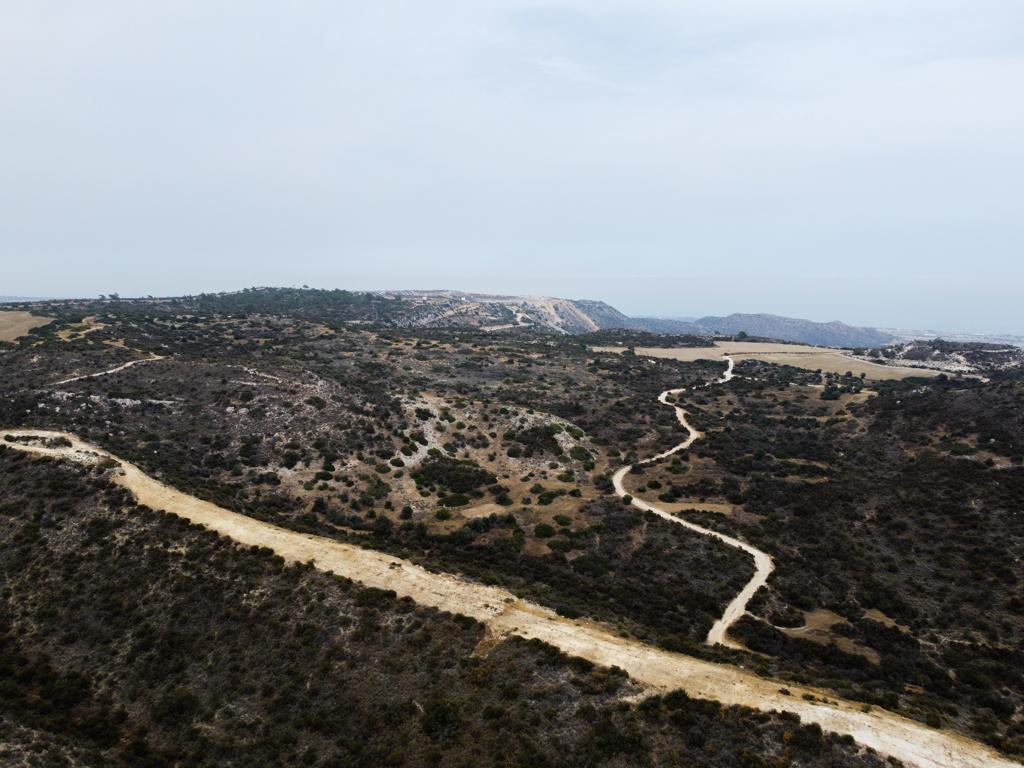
(832, 334)
(949, 356)
(456, 309)
(452, 309)
(504, 460)
(489, 312)
(236, 658)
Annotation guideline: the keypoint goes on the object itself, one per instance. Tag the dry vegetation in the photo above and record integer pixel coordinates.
(858, 498)
(235, 658)
(490, 454)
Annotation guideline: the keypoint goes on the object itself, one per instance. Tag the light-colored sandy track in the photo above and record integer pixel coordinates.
(129, 364)
(910, 741)
(763, 565)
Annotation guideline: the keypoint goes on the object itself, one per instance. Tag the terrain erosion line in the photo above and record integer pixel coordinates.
(503, 613)
(763, 565)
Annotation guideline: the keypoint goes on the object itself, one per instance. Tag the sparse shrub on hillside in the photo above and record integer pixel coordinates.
(458, 476)
(235, 659)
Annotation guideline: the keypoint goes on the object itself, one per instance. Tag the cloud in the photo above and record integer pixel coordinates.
(499, 142)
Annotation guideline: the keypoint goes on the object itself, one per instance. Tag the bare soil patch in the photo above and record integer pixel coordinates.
(797, 355)
(876, 615)
(817, 628)
(79, 330)
(14, 323)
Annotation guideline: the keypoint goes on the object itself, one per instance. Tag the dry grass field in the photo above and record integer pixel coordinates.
(798, 355)
(16, 323)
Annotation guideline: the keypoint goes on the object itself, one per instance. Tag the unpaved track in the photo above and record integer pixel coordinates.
(129, 364)
(503, 613)
(763, 565)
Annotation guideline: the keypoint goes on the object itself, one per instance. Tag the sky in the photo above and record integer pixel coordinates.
(859, 160)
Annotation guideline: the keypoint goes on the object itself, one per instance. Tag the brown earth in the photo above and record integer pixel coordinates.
(14, 323)
(797, 355)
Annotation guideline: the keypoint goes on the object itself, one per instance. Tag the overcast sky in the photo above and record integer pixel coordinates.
(860, 160)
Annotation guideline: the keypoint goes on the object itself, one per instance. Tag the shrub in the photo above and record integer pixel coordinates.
(579, 453)
(441, 718)
(458, 476)
(371, 597)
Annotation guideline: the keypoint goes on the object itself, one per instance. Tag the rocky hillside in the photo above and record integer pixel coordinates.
(447, 309)
(456, 309)
(950, 356)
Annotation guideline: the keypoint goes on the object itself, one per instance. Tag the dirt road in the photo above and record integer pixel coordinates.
(503, 613)
(129, 364)
(763, 565)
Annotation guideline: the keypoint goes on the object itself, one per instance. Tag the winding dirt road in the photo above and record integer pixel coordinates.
(763, 565)
(503, 613)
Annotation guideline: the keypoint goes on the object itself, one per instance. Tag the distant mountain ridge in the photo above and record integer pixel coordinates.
(490, 312)
(831, 334)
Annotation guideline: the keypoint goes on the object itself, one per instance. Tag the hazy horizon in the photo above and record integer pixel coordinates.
(641, 313)
(858, 162)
